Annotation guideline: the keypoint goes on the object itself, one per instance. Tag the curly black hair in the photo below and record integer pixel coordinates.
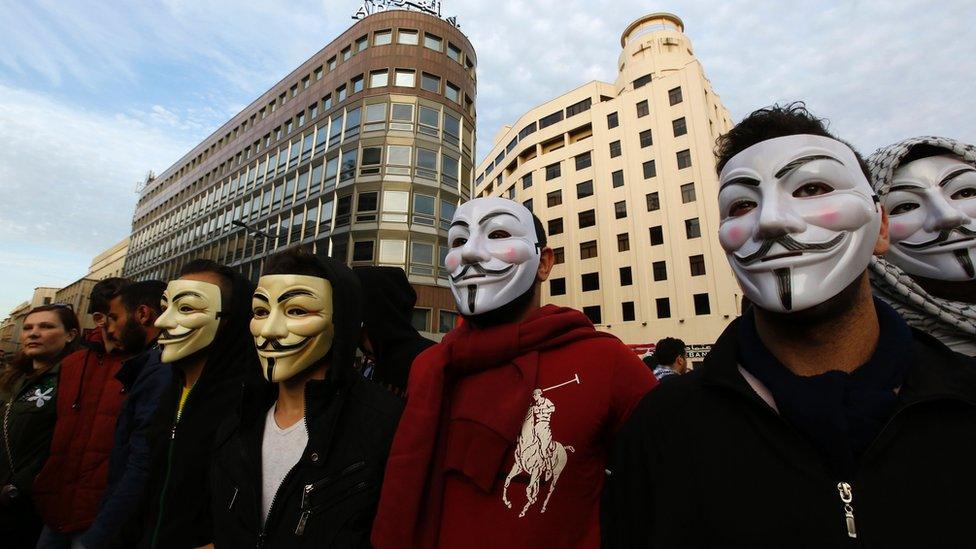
(772, 122)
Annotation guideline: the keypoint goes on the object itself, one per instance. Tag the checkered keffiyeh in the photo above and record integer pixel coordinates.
(952, 322)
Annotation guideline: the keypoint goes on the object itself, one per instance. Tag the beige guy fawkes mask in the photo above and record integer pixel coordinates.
(292, 324)
(190, 319)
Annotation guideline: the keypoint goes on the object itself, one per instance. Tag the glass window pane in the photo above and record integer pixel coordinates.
(421, 252)
(378, 78)
(430, 82)
(409, 37)
(423, 204)
(382, 38)
(396, 201)
(430, 117)
(398, 155)
(371, 155)
(405, 78)
(376, 112)
(432, 42)
(402, 112)
(393, 251)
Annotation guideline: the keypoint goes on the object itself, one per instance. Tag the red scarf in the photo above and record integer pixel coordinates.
(466, 402)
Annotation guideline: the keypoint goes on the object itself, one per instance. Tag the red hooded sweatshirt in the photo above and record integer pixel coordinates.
(68, 489)
(505, 436)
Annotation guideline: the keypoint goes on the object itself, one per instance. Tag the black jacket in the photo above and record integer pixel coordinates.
(704, 461)
(329, 497)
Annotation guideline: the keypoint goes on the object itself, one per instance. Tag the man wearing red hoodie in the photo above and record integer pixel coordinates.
(508, 422)
(69, 487)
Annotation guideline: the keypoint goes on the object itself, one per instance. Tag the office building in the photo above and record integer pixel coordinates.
(362, 153)
(622, 176)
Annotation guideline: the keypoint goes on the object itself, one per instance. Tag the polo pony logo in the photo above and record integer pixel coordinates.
(536, 453)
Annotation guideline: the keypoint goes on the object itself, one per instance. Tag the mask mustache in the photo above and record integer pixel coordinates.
(481, 271)
(794, 246)
(164, 334)
(277, 346)
(942, 238)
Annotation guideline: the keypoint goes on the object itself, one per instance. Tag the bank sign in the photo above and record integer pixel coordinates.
(430, 7)
(695, 352)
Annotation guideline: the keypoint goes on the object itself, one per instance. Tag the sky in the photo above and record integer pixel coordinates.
(95, 95)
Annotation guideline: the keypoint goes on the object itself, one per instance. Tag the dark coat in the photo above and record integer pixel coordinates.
(329, 497)
(69, 487)
(705, 462)
(144, 378)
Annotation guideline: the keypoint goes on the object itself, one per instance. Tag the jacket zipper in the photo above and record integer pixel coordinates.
(169, 470)
(303, 520)
(263, 535)
(309, 488)
(847, 498)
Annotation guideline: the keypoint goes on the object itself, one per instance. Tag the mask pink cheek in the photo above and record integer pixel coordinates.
(732, 236)
(898, 231)
(452, 261)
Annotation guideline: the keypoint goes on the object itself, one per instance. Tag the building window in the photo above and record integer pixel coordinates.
(447, 321)
(527, 131)
(679, 126)
(623, 242)
(642, 109)
(588, 249)
(614, 149)
(553, 171)
(528, 204)
(626, 276)
(646, 139)
(618, 178)
(692, 228)
(430, 82)
(357, 83)
(547, 121)
(379, 79)
(650, 169)
(405, 78)
(642, 81)
(612, 121)
(433, 42)
(452, 92)
(558, 255)
(454, 52)
(684, 159)
(701, 304)
(587, 219)
(593, 313)
(332, 63)
(361, 44)
(674, 96)
(555, 226)
(408, 37)
(554, 198)
(653, 201)
(341, 93)
(557, 286)
(583, 161)
(584, 189)
(697, 263)
(319, 73)
(346, 53)
(393, 251)
(382, 38)
(579, 107)
(362, 250)
(421, 320)
(627, 308)
(657, 235)
(620, 209)
(527, 180)
(687, 193)
(590, 281)
(660, 269)
(663, 305)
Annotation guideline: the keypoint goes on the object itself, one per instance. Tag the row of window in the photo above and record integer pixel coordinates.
(421, 320)
(627, 309)
(587, 218)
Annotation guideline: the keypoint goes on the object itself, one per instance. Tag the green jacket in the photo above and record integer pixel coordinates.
(27, 415)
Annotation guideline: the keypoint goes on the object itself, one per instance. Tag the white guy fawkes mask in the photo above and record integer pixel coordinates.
(932, 213)
(799, 220)
(292, 324)
(190, 319)
(494, 254)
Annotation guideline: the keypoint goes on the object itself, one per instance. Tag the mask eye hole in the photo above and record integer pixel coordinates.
(812, 189)
(498, 234)
(186, 309)
(741, 207)
(260, 312)
(962, 194)
(904, 207)
(296, 311)
(458, 242)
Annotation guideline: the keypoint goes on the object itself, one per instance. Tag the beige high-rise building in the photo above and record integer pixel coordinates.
(623, 178)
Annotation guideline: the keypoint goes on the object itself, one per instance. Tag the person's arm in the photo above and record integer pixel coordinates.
(128, 493)
(631, 381)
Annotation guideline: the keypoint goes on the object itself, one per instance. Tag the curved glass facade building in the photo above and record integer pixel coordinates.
(362, 153)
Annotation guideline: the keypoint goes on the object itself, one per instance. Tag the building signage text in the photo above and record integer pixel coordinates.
(430, 7)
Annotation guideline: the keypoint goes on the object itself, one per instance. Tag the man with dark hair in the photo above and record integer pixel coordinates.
(818, 406)
(928, 187)
(389, 340)
(670, 358)
(506, 432)
(204, 336)
(68, 488)
(132, 310)
(301, 464)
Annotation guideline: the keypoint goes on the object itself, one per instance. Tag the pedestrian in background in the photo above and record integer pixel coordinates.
(28, 393)
(670, 358)
(69, 487)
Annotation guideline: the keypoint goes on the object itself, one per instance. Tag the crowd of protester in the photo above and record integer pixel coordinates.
(306, 411)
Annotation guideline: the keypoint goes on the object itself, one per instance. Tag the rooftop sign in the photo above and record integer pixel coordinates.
(430, 7)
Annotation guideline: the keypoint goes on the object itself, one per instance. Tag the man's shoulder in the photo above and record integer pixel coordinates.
(679, 401)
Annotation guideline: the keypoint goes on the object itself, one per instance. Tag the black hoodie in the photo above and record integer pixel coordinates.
(389, 301)
(329, 497)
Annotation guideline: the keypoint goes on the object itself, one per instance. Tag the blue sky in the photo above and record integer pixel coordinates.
(94, 95)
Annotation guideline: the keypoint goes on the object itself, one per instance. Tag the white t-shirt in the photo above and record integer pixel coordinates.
(280, 451)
